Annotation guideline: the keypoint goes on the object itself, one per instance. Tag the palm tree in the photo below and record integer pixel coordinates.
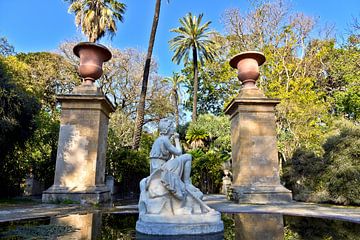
(192, 36)
(97, 17)
(196, 137)
(175, 81)
(140, 111)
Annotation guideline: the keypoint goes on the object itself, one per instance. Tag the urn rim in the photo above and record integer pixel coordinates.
(100, 47)
(258, 56)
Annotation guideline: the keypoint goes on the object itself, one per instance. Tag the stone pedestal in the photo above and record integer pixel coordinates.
(254, 152)
(80, 162)
(253, 138)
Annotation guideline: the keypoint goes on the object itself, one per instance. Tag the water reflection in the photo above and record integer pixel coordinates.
(259, 226)
(86, 226)
(121, 225)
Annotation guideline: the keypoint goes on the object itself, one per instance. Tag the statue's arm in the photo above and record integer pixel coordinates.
(172, 149)
(177, 142)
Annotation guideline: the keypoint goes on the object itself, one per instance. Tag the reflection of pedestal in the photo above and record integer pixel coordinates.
(254, 153)
(87, 226)
(80, 162)
(259, 227)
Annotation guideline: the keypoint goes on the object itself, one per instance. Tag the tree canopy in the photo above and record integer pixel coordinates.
(97, 17)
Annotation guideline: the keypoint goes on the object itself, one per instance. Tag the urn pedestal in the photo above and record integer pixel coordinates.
(80, 161)
(253, 139)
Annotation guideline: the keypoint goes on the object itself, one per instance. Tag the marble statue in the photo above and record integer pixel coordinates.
(169, 204)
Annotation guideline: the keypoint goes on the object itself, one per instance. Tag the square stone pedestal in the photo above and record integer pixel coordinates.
(80, 162)
(254, 152)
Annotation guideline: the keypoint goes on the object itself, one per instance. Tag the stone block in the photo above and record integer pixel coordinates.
(254, 152)
(80, 163)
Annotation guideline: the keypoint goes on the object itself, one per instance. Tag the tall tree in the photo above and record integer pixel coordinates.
(97, 17)
(193, 39)
(18, 110)
(51, 74)
(5, 48)
(175, 82)
(141, 106)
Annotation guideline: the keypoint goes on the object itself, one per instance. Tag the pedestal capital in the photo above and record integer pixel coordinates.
(251, 105)
(86, 100)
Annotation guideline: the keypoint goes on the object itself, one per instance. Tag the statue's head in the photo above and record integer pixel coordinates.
(166, 126)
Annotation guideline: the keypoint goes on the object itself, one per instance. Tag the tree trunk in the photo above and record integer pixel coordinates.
(176, 102)
(196, 85)
(140, 111)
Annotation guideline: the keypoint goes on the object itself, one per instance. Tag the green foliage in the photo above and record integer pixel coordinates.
(193, 40)
(213, 130)
(332, 178)
(33, 78)
(209, 137)
(218, 84)
(38, 155)
(118, 226)
(5, 48)
(17, 110)
(51, 74)
(207, 170)
(97, 17)
(192, 36)
(175, 81)
(302, 174)
(318, 229)
(349, 102)
(342, 157)
(17, 123)
(229, 226)
(127, 166)
(196, 136)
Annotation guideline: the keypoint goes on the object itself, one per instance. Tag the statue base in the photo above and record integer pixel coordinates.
(260, 194)
(154, 224)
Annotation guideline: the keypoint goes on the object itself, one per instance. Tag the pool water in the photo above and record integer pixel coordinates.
(121, 225)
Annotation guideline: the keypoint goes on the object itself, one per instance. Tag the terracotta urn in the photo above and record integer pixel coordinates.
(92, 56)
(248, 64)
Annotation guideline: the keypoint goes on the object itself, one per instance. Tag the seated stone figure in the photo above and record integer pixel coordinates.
(167, 195)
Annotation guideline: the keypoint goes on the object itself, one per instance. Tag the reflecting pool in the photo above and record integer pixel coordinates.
(121, 225)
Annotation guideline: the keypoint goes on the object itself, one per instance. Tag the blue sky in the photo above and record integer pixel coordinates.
(41, 25)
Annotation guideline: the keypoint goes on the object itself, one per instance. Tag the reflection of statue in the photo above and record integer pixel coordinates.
(169, 204)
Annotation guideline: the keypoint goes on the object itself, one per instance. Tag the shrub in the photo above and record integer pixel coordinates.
(342, 157)
(334, 177)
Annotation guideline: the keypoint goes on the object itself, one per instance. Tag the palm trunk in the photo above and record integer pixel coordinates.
(176, 100)
(196, 85)
(140, 112)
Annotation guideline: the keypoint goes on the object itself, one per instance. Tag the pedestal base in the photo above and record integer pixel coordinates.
(192, 224)
(92, 195)
(260, 194)
(178, 229)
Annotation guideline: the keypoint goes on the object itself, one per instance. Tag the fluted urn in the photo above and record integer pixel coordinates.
(92, 56)
(247, 64)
